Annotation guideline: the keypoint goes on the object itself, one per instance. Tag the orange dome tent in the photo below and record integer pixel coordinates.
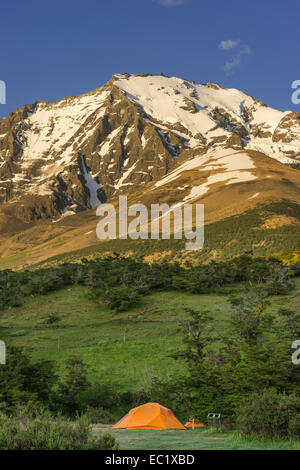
(149, 416)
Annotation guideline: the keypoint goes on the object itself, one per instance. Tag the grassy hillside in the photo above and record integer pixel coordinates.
(127, 348)
(264, 230)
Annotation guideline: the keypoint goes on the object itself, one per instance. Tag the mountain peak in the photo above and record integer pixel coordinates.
(63, 157)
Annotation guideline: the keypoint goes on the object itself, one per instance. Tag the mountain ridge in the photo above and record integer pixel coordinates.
(152, 137)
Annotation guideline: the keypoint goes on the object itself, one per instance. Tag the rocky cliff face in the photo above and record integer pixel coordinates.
(57, 159)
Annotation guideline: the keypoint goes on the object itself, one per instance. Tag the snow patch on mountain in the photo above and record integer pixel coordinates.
(91, 184)
(105, 147)
(171, 101)
(52, 127)
(121, 181)
(229, 177)
(227, 166)
(254, 196)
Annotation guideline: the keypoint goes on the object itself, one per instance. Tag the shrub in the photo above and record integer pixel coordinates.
(21, 380)
(50, 319)
(99, 415)
(31, 428)
(121, 298)
(75, 382)
(107, 442)
(102, 393)
(270, 415)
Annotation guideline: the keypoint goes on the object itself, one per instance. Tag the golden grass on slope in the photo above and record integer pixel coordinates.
(20, 246)
(279, 221)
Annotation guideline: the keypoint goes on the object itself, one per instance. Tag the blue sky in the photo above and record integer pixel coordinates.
(49, 50)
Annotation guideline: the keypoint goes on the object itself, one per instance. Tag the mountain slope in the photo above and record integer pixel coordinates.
(155, 138)
(70, 155)
(210, 116)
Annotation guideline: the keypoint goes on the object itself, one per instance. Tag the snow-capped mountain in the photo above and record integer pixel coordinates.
(137, 134)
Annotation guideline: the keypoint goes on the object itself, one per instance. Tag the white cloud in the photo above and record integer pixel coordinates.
(236, 60)
(229, 44)
(241, 50)
(170, 3)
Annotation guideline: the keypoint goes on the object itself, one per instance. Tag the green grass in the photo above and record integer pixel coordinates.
(196, 439)
(128, 348)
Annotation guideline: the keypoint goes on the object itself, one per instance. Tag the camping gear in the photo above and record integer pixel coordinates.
(217, 419)
(194, 423)
(214, 419)
(149, 416)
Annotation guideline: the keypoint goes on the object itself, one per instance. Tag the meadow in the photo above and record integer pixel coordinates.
(127, 348)
(191, 440)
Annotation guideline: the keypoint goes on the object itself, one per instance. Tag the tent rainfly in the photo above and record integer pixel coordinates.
(149, 416)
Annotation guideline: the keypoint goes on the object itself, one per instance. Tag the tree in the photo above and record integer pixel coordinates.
(248, 317)
(292, 322)
(196, 336)
(249, 356)
(21, 380)
(75, 383)
(257, 356)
